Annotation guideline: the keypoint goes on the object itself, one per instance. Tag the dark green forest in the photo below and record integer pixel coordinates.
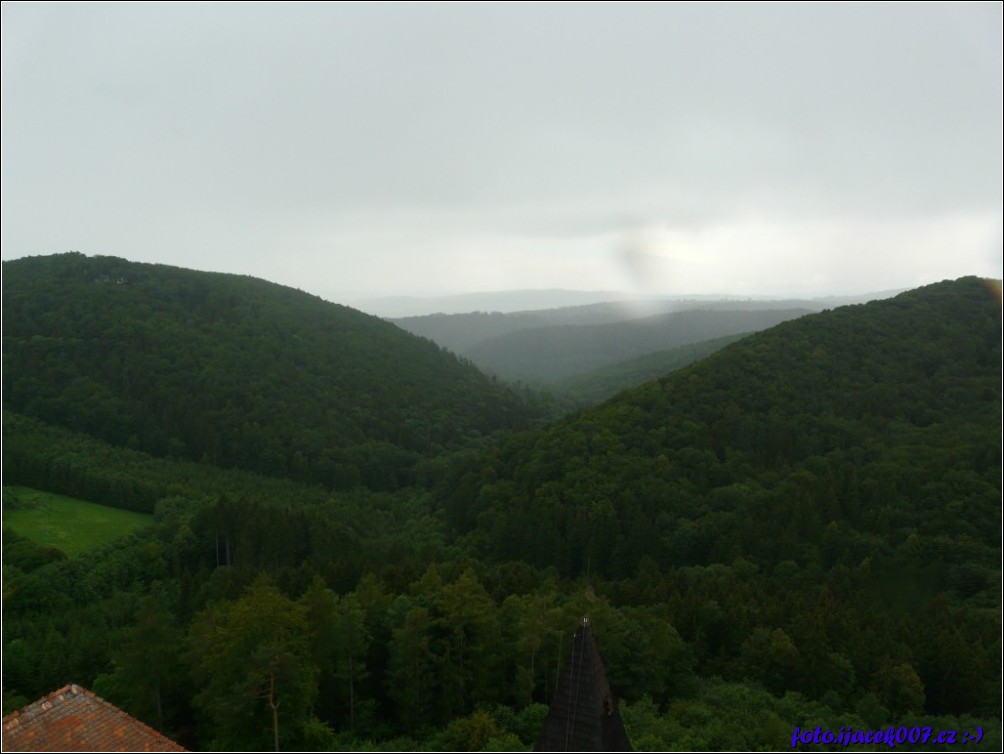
(236, 372)
(392, 550)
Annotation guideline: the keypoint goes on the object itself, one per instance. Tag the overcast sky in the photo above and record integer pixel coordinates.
(357, 150)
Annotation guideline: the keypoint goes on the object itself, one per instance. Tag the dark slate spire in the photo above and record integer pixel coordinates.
(583, 714)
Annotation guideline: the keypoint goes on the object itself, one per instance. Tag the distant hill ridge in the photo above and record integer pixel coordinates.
(526, 300)
(549, 346)
(234, 371)
(559, 352)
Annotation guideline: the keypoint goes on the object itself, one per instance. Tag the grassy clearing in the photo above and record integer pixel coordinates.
(74, 526)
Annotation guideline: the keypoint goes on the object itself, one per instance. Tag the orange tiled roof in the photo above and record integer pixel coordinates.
(74, 719)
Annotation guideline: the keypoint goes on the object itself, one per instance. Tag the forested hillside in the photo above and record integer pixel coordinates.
(802, 529)
(870, 408)
(816, 506)
(235, 371)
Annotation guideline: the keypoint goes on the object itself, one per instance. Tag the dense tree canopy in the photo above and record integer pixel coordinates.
(802, 529)
(235, 371)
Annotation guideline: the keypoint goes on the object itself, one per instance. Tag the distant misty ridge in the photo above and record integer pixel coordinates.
(586, 350)
(632, 304)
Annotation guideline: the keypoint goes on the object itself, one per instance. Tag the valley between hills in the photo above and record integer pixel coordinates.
(776, 514)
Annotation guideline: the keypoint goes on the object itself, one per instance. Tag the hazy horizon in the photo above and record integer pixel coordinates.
(520, 300)
(363, 151)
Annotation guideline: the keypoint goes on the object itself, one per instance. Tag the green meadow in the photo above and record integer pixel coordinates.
(72, 525)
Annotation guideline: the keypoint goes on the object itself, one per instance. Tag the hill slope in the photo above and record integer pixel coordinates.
(868, 407)
(590, 388)
(233, 371)
(817, 506)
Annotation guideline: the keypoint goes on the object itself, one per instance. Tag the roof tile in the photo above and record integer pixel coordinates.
(75, 719)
